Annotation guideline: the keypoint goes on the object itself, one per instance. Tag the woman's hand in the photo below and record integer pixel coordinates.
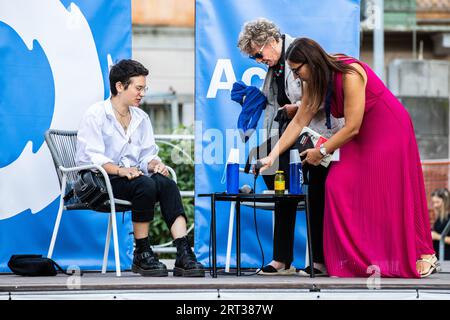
(267, 162)
(130, 173)
(291, 110)
(313, 156)
(161, 168)
(158, 167)
(435, 236)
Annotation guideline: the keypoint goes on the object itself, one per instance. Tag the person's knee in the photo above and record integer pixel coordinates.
(145, 188)
(167, 183)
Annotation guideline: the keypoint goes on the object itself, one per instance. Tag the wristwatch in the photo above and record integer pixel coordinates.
(323, 150)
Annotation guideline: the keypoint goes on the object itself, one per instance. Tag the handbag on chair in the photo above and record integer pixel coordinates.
(90, 189)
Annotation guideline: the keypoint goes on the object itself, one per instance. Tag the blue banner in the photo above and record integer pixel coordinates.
(54, 58)
(332, 23)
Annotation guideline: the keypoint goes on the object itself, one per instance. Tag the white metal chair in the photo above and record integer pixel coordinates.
(62, 145)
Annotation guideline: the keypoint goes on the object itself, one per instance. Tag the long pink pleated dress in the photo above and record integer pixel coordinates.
(376, 217)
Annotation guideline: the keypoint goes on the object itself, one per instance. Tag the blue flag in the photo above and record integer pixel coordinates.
(54, 58)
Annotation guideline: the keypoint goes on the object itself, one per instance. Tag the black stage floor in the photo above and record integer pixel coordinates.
(107, 286)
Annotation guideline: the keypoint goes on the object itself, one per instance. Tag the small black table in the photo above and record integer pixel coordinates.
(258, 198)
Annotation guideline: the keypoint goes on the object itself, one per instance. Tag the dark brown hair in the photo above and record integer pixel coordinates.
(122, 71)
(444, 194)
(321, 64)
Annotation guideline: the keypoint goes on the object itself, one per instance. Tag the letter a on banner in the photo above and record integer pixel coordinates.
(219, 63)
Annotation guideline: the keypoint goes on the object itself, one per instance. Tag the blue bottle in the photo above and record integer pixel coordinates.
(295, 173)
(232, 177)
(233, 171)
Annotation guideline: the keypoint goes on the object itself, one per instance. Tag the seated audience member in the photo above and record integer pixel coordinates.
(440, 200)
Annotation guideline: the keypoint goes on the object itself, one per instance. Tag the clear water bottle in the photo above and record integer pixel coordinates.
(295, 173)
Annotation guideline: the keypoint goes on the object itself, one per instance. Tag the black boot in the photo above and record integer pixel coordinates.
(186, 264)
(146, 263)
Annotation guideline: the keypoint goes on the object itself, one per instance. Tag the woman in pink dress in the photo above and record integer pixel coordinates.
(376, 217)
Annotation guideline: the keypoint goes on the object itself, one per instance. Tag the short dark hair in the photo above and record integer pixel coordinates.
(122, 71)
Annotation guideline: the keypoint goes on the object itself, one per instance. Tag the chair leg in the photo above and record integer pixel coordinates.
(230, 236)
(116, 243)
(58, 219)
(113, 222)
(108, 241)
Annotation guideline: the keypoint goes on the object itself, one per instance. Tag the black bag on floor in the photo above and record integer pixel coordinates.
(33, 265)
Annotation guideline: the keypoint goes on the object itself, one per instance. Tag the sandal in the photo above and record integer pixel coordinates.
(434, 266)
(269, 270)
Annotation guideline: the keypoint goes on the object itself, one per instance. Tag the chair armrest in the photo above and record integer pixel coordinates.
(105, 175)
(79, 168)
(445, 232)
(92, 166)
(173, 174)
(446, 229)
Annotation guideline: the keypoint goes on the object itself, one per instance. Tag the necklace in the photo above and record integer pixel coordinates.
(123, 124)
(279, 71)
(121, 114)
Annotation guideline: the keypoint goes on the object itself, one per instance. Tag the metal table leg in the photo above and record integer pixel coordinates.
(213, 235)
(238, 237)
(308, 228)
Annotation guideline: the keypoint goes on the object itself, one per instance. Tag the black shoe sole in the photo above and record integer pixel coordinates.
(178, 272)
(317, 273)
(150, 273)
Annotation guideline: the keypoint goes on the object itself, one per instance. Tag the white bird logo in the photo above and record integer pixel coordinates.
(30, 182)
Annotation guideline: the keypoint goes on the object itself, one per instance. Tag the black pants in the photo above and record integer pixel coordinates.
(285, 215)
(143, 192)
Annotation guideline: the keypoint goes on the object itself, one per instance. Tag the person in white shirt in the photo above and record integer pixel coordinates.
(117, 135)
